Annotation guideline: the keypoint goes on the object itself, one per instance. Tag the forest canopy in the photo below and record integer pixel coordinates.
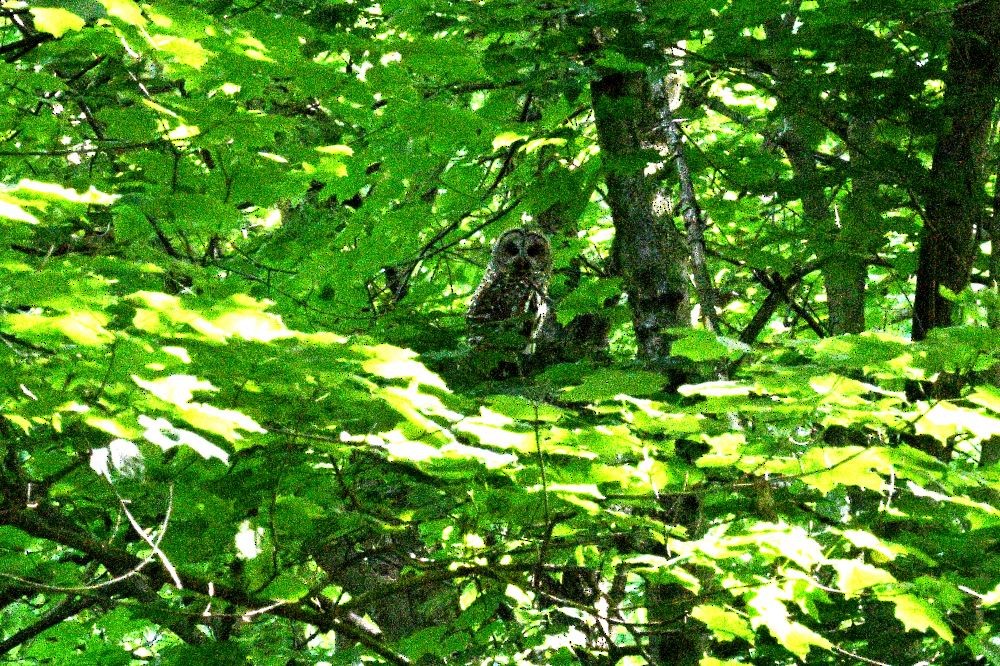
(538, 332)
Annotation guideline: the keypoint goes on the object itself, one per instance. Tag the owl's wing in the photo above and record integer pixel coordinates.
(487, 303)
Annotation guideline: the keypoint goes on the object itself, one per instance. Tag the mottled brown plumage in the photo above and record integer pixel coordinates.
(510, 311)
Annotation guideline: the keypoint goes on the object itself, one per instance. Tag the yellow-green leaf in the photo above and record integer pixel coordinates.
(725, 625)
(185, 51)
(918, 615)
(125, 10)
(853, 576)
(55, 20)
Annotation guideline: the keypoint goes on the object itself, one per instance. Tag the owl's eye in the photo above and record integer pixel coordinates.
(510, 248)
(536, 250)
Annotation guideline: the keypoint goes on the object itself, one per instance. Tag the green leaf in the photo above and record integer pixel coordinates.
(287, 587)
(522, 409)
(125, 10)
(854, 576)
(917, 614)
(84, 327)
(770, 611)
(590, 296)
(725, 625)
(183, 50)
(608, 384)
(700, 345)
(55, 20)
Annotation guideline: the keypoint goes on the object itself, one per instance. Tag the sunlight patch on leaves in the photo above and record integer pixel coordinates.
(854, 576)
(21, 422)
(249, 322)
(178, 390)
(84, 327)
(338, 149)
(125, 10)
(650, 416)
(239, 316)
(10, 209)
(664, 571)
(726, 449)
(991, 598)
(397, 445)
(721, 389)
(248, 540)
(770, 540)
(848, 392)
(55, 20)
(589, 489)
(917, 614)
(409, 404)
(175, 389)
(490, 459)
(713, 661)
(90, 197)
(223, 422)
(112, 427)
(164, 434)
(726, 625)
(945, 420)
(986, 396)
(391, 362)
(769, 609)
(825, 468)
(183, 50)
(490, 429)
(507, 139)
(867, 540)
(960, 500)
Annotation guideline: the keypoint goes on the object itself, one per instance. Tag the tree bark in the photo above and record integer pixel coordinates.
(844, 247)
(649, 255)
(955, 198)
(694, 222)
(855, 238)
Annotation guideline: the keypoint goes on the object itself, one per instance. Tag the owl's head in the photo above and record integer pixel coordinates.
(523, 251)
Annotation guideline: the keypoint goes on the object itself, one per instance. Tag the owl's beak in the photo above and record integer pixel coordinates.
(521, 264)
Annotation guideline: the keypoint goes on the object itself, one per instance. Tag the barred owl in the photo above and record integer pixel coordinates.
(510, 311)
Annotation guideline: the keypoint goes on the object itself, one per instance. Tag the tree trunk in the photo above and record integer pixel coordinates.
(844, 263)
(649, 255)
(955, 198)
(855, 239)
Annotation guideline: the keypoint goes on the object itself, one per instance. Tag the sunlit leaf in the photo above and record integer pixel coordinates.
(55, 20)
(12, 211)
(507, 139)
(395, 363)
(918, 615)
(175, 389)
(164, 434)
(725, 625)
(768, 603)
(126, 10)
(185, 51)
(854, 576)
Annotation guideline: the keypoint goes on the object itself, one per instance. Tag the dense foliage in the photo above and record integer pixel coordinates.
(240, 417)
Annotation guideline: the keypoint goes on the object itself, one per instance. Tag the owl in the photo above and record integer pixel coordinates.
(510, 312)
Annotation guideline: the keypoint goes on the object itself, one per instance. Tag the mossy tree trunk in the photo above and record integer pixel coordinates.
(954, 197)
(649, 254)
